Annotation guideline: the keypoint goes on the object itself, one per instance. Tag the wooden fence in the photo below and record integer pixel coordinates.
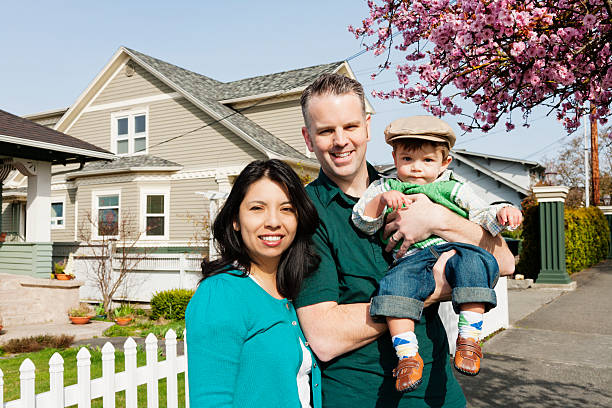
(87, 389)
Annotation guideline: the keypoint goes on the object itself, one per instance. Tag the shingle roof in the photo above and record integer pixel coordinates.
(142, 160)
(286, 80)
(18, 127)
(208, 92)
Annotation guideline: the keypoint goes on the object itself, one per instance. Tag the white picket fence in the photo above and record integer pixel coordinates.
(110, 383)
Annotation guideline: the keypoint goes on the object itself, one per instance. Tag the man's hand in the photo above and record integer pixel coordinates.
(412, 224)
(443, 290)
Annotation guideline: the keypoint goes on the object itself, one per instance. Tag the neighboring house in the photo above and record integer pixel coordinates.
(175, 133)
(494, 178)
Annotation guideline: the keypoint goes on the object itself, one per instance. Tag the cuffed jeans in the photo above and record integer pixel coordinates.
(472, 273)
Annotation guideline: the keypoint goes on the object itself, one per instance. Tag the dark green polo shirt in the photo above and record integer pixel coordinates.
(352, 263)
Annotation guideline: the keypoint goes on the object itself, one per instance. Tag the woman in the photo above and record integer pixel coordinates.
(245, 347)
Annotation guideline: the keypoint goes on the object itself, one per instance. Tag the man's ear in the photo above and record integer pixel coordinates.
(368, 116)
(306, 136)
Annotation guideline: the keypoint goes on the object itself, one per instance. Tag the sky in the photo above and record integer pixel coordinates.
(51, 51)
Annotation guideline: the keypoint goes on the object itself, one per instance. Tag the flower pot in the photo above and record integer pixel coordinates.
(123, 321)
(62, 276)
(79, 319)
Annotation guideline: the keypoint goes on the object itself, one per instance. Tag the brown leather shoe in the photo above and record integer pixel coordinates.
(409, 373)
(467, 356)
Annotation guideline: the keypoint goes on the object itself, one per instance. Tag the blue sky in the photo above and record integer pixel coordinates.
(51, 51)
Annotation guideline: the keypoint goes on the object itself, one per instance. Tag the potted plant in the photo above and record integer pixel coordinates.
(123, 315)
(100, 313)
(59, 271)
(80, 315)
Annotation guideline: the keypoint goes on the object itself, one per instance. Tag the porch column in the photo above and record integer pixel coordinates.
(551, 201)
(607, 211)
(38, 207)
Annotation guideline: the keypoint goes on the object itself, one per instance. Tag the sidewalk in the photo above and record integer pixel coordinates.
(557, 352)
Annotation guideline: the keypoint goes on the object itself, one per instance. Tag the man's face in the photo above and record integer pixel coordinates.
(337, 133)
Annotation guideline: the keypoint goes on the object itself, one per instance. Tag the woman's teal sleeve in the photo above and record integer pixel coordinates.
(216, 331)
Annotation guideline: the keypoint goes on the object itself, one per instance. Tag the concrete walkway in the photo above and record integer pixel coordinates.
(558, 352)
(79, 331)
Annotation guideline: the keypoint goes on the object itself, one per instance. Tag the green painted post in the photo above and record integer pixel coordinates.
(551, 201)
(607, 210)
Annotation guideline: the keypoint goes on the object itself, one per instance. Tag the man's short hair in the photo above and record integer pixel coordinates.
(412, 145)
(331, 84)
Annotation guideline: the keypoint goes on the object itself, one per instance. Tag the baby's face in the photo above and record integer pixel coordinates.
(420, 166)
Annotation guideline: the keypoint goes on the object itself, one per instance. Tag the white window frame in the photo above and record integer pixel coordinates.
(62, 201)
(94, 212)
(144, 192)
(131, 136)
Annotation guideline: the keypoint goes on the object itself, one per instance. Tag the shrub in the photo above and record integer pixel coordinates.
(37, 343)
(170, 304)
(529, 263)
(587, 238)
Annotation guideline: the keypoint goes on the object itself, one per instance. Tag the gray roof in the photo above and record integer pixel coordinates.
(141, 160)
(207, 92)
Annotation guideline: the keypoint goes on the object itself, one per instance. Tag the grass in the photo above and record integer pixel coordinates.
(142, 327)
(10, 368)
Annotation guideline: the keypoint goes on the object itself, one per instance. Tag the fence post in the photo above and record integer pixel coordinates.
(1, 388)
(27, 377)
(151, 350)
(186, 368)
(56, 380)
(171, 382)
(551, 201)
(131, 390)
(108, 375)
(607, 211)
(84, 378)
(182, 267)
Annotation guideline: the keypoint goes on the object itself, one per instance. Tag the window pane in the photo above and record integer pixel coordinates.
(140, 144)
(140, 124)
(122, 146)
(108, 201)
(108, 222)
(122, 126)
(155, 204)
(57, 210)
(155, 226)
(60, 222)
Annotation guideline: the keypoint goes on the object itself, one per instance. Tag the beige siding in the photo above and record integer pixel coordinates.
(188, 209)
(283, 119)
(122, 87)
(93, 127)
(202, 146)
(69, 198)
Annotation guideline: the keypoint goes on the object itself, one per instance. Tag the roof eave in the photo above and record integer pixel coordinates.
(491, 174)
(56, 147)
(102, 172)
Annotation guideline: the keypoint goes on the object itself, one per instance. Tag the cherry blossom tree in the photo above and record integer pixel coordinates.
(503, 55)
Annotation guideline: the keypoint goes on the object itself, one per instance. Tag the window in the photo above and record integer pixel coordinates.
(154, 213)
(108, 215)
(129, 132)
(57, 215)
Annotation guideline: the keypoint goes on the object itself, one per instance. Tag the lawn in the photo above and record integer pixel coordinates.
(10, 368)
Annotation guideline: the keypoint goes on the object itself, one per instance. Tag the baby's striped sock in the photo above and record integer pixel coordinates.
(406, 344)
(470, 325)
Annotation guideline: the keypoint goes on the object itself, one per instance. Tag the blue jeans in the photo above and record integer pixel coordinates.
(472, 273)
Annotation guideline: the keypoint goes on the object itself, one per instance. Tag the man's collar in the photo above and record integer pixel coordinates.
(328, 189)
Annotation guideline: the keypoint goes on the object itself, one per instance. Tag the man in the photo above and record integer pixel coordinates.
(333, 306)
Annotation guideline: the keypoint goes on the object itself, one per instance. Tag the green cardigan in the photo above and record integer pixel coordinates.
(243, 348)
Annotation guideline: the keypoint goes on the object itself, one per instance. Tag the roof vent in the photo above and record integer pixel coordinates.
(129, 68)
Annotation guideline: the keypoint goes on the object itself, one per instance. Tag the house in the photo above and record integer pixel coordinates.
(494, 178)
(174, 133)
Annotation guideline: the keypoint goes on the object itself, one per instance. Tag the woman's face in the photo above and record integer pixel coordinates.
(267, 222)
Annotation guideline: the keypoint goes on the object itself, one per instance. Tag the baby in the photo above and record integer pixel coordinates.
(421, 146)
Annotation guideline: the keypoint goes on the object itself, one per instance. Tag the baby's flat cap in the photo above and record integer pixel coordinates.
(420, 127)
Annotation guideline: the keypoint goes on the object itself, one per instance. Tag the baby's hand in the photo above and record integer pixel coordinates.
(394, 199)
(510, 217)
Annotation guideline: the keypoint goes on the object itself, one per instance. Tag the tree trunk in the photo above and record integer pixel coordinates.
(594, 159)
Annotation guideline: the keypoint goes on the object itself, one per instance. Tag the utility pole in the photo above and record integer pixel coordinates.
(587, 196)
(594, 157)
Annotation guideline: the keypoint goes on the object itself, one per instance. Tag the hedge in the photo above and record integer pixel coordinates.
(587, 237)
(170, 304)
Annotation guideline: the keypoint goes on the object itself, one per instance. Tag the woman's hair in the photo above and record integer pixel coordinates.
(298, 260)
